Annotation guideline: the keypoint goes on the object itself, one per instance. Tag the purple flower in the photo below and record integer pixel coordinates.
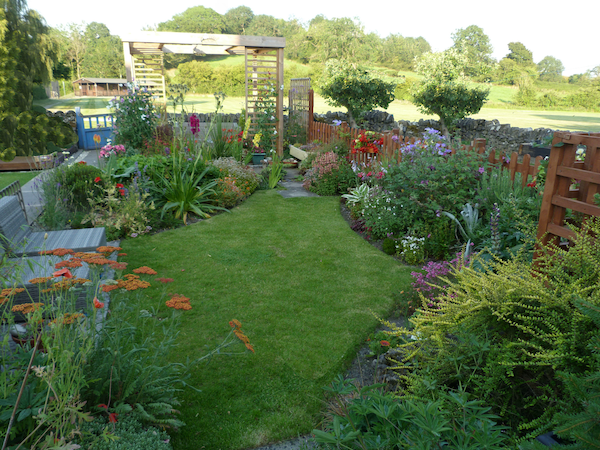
(337, 123)
(481, 170)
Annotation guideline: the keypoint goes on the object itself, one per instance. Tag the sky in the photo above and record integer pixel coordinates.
(569, 34)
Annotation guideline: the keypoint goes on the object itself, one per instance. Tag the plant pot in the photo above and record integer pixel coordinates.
(257, 158)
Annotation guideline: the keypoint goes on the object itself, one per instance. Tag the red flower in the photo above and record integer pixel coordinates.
(98, 304)
(122, 192)
(384, 343)
(103, 406)
(112, 417)
(63, 273)
(97, 180)
(81, 162)
(119, 186)
(531, 185)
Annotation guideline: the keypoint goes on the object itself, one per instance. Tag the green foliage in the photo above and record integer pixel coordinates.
(197, 19)
(444, 91)
(550, 69)
(374, 420)
(135, 117)
(388, 245)
(520, 54)
(103, 53)
(79, 181)
(186, 191)
(344, 84)
(329, 175)
(475, 45)
(126, 434)
(504, 330)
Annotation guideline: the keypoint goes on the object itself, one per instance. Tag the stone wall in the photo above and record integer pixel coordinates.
(497, 135)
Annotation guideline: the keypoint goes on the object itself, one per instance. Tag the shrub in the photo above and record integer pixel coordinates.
(503, 330)
(329, 175)
(135, 117)
(245, 178)
(126, 434)
(83, 182)
(373, 420)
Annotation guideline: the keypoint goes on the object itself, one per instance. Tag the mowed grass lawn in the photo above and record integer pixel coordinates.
(7, 178)
(402, 110)
(304, 287)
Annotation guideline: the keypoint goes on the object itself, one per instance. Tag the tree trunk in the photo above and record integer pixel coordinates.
(444, 128)
(351, 120)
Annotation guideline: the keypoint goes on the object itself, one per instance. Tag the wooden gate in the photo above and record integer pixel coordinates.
(98, 126)
(300, 109)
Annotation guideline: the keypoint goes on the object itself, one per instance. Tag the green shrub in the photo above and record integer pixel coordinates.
(79, 180)
(389, 246)
(373, 420)
(330, 175)
(135, 118)
(508, 332)
(126, 434)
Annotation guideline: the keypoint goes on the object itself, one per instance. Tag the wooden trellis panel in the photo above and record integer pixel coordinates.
(148, 73)
(264, 86)
(563, 169)
(299, 105)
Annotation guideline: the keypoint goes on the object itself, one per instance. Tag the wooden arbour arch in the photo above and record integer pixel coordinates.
(144, 52)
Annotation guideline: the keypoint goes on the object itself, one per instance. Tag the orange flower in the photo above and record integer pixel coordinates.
(40, 280)
(384, 343)
(118, 265)
(9, 292)
(145, 269)
(178, 301)
(107, 249)
(27, 308)
(249, 347)
(57, 252)
(109, 287)
(97, 303)
(63, 273)
(70, 263)
(122, 254)
(235, 323)
(165, 280)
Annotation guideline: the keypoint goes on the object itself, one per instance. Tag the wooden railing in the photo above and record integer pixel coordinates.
(563, 171)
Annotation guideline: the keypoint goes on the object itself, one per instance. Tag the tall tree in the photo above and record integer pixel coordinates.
(476, 47)
(238, 19)
(550, 69)
(104, 53)
(75, 46)
(445, 91)
(520, 54)
(340, 38)
(27, 54)
(196, 19)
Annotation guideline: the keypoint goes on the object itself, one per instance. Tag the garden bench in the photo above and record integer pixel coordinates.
(18, 239)
(17, 272)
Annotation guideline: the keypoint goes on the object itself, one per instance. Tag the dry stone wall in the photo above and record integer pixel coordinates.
(497, 135)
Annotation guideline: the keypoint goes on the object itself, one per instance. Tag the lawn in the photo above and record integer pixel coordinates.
(7, 178)
(304, 286)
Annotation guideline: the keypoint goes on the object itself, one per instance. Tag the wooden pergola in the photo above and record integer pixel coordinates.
(144, 52)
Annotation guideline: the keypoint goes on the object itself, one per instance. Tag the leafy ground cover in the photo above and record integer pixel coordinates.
(7, 178)
(302, 284)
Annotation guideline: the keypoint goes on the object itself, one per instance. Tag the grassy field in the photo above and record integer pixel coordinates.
(402, 110)
(303, 285)
(7, 178)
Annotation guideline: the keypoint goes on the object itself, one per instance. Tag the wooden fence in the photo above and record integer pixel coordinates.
(392, 142)
(559, 194)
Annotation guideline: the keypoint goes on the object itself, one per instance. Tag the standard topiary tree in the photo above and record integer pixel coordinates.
(445, 91)
(345, 84)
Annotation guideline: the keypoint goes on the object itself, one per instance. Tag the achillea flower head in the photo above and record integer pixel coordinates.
(145, 270)
(27, 308)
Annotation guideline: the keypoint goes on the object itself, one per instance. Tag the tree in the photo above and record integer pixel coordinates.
(344, 84)
(339, 38)
(520, 54)
(104, 53)
(444, 90)
(197, 19)
(238, 19)
(75, 46)
(550, 69)
(476, 47)
(27, 54)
